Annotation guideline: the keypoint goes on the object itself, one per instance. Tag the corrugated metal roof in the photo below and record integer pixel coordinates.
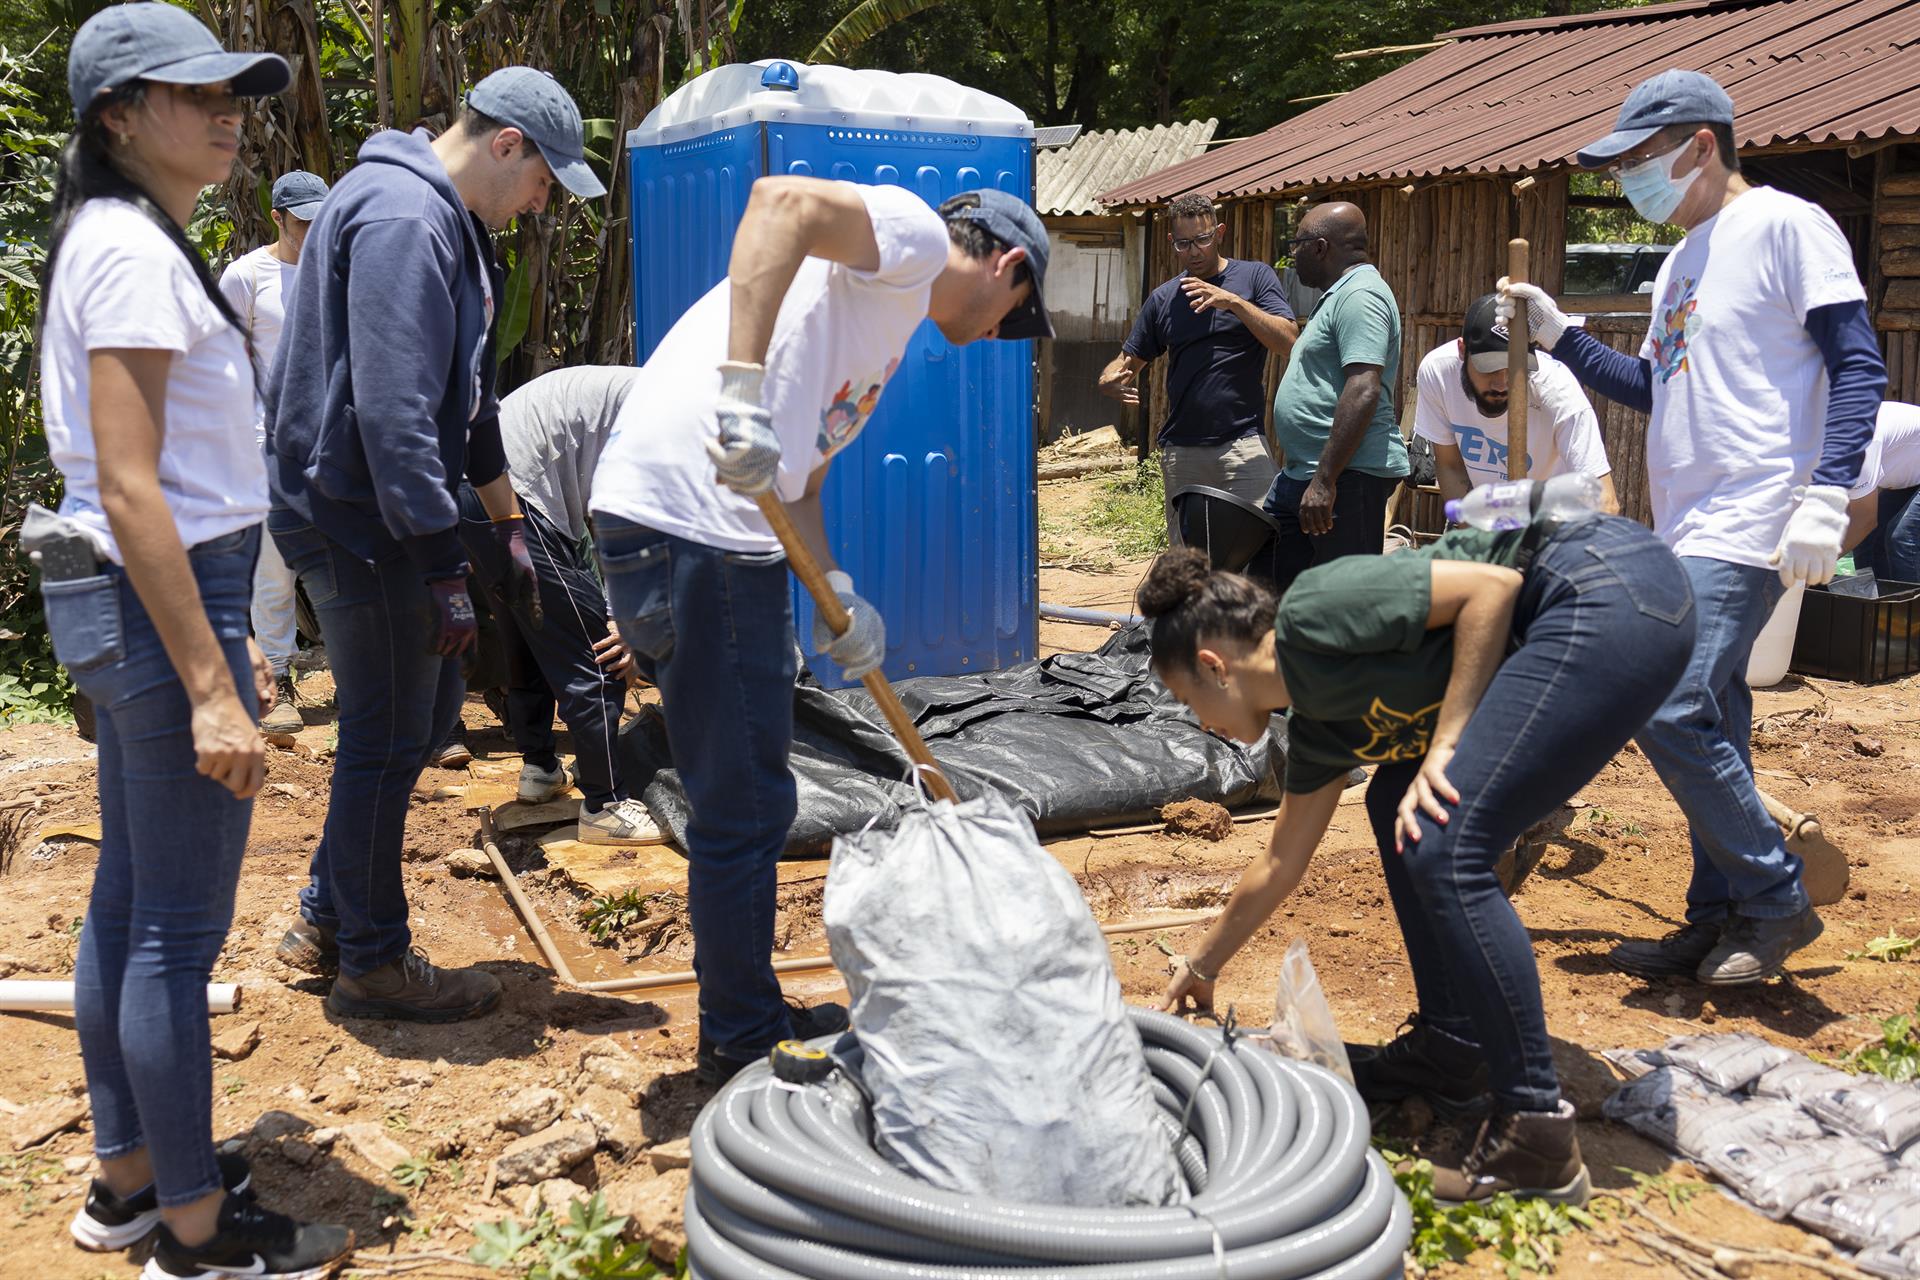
(1516, 96)
(1067, 179)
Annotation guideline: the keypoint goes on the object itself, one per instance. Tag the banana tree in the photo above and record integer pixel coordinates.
(866, 20)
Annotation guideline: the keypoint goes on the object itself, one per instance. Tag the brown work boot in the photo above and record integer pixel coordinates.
(1526, 1153)
(283, 720)
(413, 989)
(309, 947)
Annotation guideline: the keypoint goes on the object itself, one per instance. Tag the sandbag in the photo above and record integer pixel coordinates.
(1775, 1177)
(1881, 1113)
(1797, 1079)
(1883, 1211)
(1000, 1058)
(1727, 1062)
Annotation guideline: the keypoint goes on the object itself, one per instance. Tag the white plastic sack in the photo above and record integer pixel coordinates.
(1303, 1026)
(1727, 1062)
(1883, 1211)
(998, 1052)
(1882, 1114)
(1900, 1262)
(1799, 1078)
(1775, 1177)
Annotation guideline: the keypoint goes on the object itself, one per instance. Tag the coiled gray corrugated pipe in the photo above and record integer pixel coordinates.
(786, 1185)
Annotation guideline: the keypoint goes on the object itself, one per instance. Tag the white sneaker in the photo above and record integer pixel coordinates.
(537, 785)
(622, 822)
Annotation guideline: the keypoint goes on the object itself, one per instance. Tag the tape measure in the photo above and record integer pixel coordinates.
(796, 1062)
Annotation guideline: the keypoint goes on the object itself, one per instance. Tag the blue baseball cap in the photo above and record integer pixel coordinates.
(128, 42)
(1012, 222)
(534, 103)
(299, 193)
(1672, 97)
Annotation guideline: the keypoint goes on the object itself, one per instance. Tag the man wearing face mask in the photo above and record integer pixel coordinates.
(1762, 376)
(380, 403)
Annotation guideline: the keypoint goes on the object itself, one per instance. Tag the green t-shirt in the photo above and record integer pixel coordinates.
(1357, 322)
(1366, 676)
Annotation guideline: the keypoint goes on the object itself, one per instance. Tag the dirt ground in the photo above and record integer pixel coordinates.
(310, 1101)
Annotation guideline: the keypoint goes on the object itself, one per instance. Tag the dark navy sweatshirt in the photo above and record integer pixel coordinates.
(382, 396)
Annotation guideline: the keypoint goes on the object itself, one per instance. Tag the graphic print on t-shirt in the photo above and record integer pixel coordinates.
(1477, 446)
(1397, 735)
(850, 408)
(1677, 325)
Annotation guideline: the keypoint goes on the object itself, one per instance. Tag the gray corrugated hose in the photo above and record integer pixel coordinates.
(786, 1185)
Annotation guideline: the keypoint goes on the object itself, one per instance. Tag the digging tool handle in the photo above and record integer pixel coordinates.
(1518, 254)
(827, 602)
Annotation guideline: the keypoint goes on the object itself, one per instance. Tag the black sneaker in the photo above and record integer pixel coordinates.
(1447, 1071)
(251, 1241)
(1677, 955)
(107, 1223)
(1753, 950)
(715, 1068)
(309, 947)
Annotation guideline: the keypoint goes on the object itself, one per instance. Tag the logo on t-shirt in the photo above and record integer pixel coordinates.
(1477, 446)
(1397, 735)
(1671, 334)
(847, 412)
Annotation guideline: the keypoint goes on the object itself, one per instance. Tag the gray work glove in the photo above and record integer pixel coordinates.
(746, 456)
(863, 646)
(1545, 321)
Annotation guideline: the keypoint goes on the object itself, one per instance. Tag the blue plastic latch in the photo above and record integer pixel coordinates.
(780, 75)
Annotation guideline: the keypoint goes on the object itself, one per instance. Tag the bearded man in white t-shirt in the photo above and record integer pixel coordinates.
(1461, 408)
(759, 385)
(1762, 375)
(257, 285)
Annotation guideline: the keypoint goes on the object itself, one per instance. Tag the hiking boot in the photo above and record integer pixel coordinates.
(622, 822)
(250, 1241)
(414, 989)
(1526, 1153)
(1678, 955)
(1447, 1071)
(537, 785)
(715, 1068)
(284, 718)
(451, 754)
(107, 1223)
(1753, 950)
(309, 947)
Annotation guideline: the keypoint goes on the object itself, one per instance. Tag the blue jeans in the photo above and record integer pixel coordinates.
(714, 630)
(1359, 523)
(1560, 706)
(553, 661)
(397, 701)
(1698, 743)
(1892, 550)
(170, 847)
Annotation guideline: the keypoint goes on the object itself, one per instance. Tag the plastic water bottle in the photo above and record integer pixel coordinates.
(1512, 504)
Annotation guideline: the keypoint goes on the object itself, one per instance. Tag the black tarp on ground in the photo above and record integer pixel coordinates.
(1076, 740)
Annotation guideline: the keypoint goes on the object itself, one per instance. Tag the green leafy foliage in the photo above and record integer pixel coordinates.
(1897, 1055)
(1132, 510)
(1888, 949)
(585, 1245)
(1525, 1234)
(610, 915)
(1677, 1192)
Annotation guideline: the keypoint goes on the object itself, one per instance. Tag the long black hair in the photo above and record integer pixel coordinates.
(86, 172)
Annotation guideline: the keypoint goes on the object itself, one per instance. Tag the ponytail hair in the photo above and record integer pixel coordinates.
(1186, 598)
(86, 172)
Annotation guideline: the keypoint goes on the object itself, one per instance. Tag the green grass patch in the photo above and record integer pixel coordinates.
(1131, 510)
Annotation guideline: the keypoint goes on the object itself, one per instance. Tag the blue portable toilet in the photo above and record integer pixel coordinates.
(933, 508)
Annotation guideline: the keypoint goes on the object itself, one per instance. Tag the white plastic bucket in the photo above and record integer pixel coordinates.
(1773, 647)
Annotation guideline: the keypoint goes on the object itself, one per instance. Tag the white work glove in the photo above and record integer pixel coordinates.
(1545, 321)
(863, 646)
(746, 456)
(1810, 544)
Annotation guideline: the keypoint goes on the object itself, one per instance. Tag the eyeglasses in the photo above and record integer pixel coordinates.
(1200, 241)
(1294, 244)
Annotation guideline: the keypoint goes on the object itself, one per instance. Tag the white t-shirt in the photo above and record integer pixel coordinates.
(121, 283)
(1893, 456)
(1739, 386)
(258, 287)
(1563, 433)
(839, 337)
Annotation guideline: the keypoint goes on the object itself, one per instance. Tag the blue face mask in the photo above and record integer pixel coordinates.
(1651, 188)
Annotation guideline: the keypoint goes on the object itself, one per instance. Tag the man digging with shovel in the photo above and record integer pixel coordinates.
(826, 285)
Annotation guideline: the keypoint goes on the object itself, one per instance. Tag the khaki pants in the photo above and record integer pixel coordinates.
(1241, 467)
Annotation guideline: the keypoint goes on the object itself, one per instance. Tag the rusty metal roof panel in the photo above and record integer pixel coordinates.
(1068, 179)
(1517, 96)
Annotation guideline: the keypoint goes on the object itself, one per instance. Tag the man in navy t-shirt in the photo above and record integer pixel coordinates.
(1217, 320)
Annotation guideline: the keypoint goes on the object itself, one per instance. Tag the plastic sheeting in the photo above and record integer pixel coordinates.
(1075, 740)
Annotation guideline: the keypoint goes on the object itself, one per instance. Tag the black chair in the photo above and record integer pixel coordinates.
(1236, 534)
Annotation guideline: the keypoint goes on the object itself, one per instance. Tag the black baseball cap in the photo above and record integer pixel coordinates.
(1486, 337)
(128, 42)
(1012, 221)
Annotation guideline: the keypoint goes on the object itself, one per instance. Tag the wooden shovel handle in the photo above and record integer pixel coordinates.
(1518, 255)
(827, 603)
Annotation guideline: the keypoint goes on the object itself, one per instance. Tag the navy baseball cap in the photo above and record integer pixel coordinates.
(299, 193)
(534, 103)
(1672, 97)
(1012, 222)
(128, 42)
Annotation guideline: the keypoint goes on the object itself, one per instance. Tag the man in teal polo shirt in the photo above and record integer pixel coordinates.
(1333, 416)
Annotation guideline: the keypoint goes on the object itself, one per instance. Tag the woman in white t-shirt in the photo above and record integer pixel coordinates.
(148, 386)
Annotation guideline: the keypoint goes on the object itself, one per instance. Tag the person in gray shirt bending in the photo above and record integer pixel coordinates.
(553, 429)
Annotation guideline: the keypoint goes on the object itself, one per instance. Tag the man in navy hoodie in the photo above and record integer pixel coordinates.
(381, 403)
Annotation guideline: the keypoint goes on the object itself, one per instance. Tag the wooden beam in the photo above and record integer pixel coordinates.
(1899, 322)
(1387, 50)
(1593, 303)
(1900, 262)
(1318, 97)
(1898, 213)
(1859, 149)
(1901, 184)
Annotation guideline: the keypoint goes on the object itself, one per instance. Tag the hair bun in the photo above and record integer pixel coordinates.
(1175, 577)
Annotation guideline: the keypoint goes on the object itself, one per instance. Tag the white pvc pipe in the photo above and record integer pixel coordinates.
(23, 995)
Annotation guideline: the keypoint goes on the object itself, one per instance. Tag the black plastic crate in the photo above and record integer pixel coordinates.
(1847, 638)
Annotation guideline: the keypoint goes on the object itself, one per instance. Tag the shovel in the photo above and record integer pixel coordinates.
(1823, 868)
